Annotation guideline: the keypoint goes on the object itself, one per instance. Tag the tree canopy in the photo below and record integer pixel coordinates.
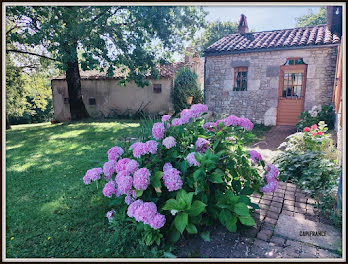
(134, 39)
(106, 37)
(213, 32)
(312, 19)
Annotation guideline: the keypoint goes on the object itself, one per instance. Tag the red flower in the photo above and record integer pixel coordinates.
(306, 129)
(314, 134)
(320, 133)
(314, 127)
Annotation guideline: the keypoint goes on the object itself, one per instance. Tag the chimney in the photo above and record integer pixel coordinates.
(243, 25)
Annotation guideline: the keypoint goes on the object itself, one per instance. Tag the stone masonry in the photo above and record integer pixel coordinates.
(259, 102)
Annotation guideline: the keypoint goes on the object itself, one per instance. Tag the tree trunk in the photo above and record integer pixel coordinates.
(8, 125)
(77, 107)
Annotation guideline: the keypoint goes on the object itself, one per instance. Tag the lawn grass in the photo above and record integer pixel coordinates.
(49, 211)
(257, 134)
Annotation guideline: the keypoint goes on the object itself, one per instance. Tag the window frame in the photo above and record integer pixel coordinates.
(155, 89)
(238, 81)
(297, 68)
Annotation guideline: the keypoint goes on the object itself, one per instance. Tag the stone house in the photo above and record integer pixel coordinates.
(104, 96)
(271, 77)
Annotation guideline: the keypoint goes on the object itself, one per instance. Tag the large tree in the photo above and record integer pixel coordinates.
(312, 19)
(102, 37)
(213, 32)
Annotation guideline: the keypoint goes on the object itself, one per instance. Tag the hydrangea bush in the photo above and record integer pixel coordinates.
(191, 174)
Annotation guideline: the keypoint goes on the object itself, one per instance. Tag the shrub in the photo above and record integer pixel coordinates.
(185, 85)
(190, 174)
(315, 115)
(306, 162)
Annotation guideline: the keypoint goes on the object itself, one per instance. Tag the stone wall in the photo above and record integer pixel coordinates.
(259, 102)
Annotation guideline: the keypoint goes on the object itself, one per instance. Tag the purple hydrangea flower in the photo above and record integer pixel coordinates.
(271, 186)
(202, 145)
(121, 164)
(192, 160)
(231, 120)
(109, 168)
(255, 156)
(133, 207)
(246, 124)
(210, 126)
(172, 179)
(124, 184)
(151, 146)
(141, 179)
(176, 122)
(146, 212)
(110, 214)
(114, 153)
(185, 116)
(198, 109)
(165, 118)
(272, 172)
(169, 142)
(92, 175)
(158, 221)
(132, 166)
(158, 131)
(128, 199)
(109, 189)
(167, 166)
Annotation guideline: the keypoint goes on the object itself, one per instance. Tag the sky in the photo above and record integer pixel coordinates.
(260, 18)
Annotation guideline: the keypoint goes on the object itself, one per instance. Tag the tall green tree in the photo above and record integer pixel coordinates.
(213, 32)
(105, 37)
(312, 19)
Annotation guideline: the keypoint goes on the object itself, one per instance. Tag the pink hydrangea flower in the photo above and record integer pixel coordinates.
(172, 179)
(109, 189)
(121, 164)
(109, 168)
(114, 153)
(167, 166)
(231, 120)
(202, 145)
(132, 166)
(133, 207)
(176, 122)
(158, 221)
(198, 109)
(192, 160)
(271, 186)
(169, 142)
(158, 131)
(165, 118)
(246, 124)
(151, 146)
(255, 156)
(92, 175)
(124, 184)
(146, 212)
(272, 172)
(141, 179)
(110, 215)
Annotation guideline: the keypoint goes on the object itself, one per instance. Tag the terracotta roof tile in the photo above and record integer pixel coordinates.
(166, 71)
(296, 37)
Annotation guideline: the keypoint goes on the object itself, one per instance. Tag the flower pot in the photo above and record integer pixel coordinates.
(189, 99)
